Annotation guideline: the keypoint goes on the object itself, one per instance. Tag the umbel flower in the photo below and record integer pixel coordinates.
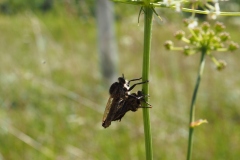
(205, 38)
(210, 6)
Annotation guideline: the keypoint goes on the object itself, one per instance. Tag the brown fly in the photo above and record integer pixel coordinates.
(132, 103)
(119, 92)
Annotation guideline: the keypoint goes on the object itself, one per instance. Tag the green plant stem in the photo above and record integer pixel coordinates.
(148, 14)
(192, 108)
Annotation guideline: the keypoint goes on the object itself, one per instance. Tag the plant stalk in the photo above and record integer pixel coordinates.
(192, 108)
(148, 14)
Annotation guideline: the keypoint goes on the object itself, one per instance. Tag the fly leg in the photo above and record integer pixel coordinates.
(136, 79)
(137, 84)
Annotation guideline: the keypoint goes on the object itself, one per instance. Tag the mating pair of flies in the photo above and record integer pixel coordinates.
(121, 100)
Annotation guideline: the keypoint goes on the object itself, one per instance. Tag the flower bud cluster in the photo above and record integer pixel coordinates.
(205, 38)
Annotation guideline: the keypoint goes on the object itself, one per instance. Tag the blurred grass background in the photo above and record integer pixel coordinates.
(52, 96)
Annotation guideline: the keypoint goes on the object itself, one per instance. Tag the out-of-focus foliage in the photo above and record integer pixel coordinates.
(86, 8)
(51, 90)
(79, 7)
(15, 6)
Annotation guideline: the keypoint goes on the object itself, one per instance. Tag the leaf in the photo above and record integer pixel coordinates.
(198, 122)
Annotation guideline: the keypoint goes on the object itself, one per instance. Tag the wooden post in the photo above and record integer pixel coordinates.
(107, 48)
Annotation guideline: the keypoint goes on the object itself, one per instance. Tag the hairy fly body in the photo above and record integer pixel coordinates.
(119, 92)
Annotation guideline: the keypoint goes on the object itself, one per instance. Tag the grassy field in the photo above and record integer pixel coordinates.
(52, 96)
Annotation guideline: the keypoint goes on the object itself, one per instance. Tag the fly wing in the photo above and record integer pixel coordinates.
(107, 109)
(110, 112)
(121, 111)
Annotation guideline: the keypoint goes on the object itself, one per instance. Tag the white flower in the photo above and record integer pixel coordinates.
(217, 8)
(178, 6)
(168, 2)
(214, 15)
(192, 24)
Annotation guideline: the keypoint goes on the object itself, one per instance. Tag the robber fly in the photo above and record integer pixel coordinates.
(132, 103)
(119, 92)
